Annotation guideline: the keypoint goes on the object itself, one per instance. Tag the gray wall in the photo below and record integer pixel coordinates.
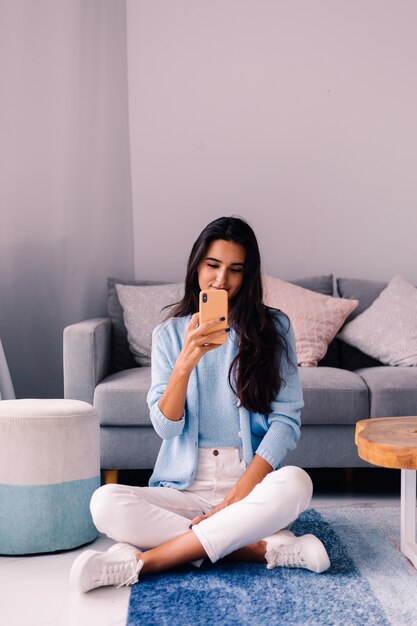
(65, 196)
(300, 116)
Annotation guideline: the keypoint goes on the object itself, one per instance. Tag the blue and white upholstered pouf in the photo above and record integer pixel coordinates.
(49, 469)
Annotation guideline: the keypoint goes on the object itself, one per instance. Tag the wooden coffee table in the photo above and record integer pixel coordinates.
(392, 442)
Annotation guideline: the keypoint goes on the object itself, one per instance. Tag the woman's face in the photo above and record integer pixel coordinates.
(222, 267)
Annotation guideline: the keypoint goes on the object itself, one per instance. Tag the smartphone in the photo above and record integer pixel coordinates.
(213, 304)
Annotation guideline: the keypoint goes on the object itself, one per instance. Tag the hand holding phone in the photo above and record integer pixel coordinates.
(213, 304)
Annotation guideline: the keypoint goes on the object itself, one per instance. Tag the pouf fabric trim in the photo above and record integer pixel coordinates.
(46, 518)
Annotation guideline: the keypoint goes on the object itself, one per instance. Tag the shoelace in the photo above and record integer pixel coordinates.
(125, 574)
(288, 556)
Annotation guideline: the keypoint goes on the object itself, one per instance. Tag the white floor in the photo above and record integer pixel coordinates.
(34, 590)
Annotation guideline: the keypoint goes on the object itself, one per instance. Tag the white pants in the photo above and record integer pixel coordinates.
(148, 516)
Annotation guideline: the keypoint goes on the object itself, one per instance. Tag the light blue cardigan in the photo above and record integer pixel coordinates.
(270, 436)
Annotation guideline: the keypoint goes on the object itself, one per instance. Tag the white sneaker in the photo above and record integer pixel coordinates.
(306, 551)
(118, 566)
(281, 537)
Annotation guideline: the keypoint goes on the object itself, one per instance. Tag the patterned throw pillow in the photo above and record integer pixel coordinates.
(142, 312)
(387, 330)
(315, 318)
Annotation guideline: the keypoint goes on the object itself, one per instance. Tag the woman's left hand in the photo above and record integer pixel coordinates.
(253, 475)
(237, 492)
(216, 509)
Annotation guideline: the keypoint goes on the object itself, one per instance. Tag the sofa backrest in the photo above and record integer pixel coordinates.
(122, 358)
(366, 291)
(339, 353)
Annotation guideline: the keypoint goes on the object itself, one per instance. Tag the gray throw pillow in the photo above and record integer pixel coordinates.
(143, 309)
(387, 330)
(121, 357)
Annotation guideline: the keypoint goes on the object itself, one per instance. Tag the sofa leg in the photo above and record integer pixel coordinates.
(111, 476)
(348, 476)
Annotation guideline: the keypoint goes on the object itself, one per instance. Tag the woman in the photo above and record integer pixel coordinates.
(227, 414)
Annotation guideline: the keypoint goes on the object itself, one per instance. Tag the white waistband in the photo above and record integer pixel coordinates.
(227, 454)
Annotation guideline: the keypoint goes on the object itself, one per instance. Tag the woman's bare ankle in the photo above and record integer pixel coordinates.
(183, 549)
(146, 567)
(262, 547)
(149, 563)
(254, 552)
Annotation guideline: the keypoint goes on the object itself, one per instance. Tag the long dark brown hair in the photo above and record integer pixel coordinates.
(262, 344)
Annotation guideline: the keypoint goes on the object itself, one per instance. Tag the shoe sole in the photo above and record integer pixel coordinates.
(77, 568)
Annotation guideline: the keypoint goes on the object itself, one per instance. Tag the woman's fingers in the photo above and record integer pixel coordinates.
(208, 332)
(208, 339)
(199, 518)
(195, 319)
(217, 508)
(202, 329)
(207, 326)
(203, 334)
(199, 338)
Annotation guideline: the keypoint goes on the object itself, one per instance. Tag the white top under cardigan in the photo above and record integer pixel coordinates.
(218, 413)
(270, 436)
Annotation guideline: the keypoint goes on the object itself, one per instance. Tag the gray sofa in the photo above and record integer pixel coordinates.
(346, 386)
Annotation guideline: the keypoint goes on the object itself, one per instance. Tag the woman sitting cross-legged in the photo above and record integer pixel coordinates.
(227, 413)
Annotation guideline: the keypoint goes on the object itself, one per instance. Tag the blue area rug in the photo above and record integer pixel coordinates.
(369, 582)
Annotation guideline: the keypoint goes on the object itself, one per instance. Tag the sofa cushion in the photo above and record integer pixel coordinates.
(315, 318)
(387, 330)
(366, 291)
(120, 399)
(392, 390)
(333, 396)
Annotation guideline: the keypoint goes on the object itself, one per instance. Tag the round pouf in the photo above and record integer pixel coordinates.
(49, 469)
